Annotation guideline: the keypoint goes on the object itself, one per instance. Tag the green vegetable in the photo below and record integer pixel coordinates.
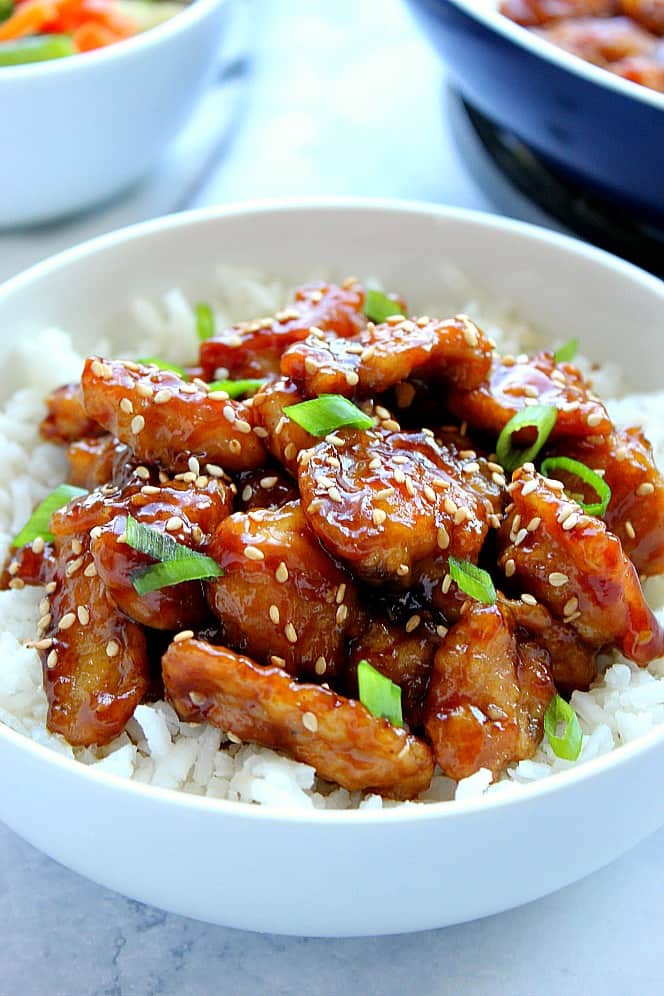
(204, 321)
(380, 695)
(378, 306)
(473, 581)
(567, 351)
(37, 48)
(6, 9)
(153, 361)
(588, 476)
(236, 388)
(147, 13)
(327, 413)
(39, 521)
(540, 417)
(567, 746)
(177, 562)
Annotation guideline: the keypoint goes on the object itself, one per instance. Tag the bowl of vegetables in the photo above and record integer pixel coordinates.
(93, 91)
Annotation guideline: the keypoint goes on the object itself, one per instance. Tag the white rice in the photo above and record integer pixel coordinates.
(157, 748)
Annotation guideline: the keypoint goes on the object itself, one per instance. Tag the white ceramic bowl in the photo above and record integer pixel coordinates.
(340, 873)
(77, 131)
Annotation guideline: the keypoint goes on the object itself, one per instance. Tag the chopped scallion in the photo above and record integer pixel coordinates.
(567, 351)
(585, 474)
(380, 695)
(171, 554)
(204, 321)
(378, 306)
(327, 413)
(35, 48)
(539, 417)
(39, 521)
(568, 745)
(472, 580)
(153, 361)
(236, 388)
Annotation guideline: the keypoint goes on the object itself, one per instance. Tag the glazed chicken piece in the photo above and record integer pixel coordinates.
(515, 384)
(640, 69)
(283, 437)
(339, 737)
(572, 563)
(488, 694)
(530, 13)
(381, 501)
(282, 599)
(67, 419)
(600, 40)
(97, 460)
(168, 421)
(32, 565)
(94, 658)
(636, 510)
(404, 654)
(253, 349)
(648, 13)
(266, 487)
(382, 356)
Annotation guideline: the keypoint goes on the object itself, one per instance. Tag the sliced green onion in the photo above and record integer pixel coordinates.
(153, 361)
(170, 553)
(236, 388)
(6, 9)
(380, 695)
(567, 351)
(39, 521)
(35, 48)
(539, 417)
(204, 321)
(378, 306)
(567, 746)
(585, 474)
(473, 580)
(326, 413)
(193, 568)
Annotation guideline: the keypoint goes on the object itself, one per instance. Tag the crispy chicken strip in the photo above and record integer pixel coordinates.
(94, 658)
(167, 420)
(284, 438)
(640, 69)
(516, 383)
(253, 349)
(533, 12)
(382, 356)
(636, 510)
(381, 501)
(67, 419)
(600, 40)
(282, 599)
(572, 563)
(648, 13)
(98, 460)
(337, 736)
(488, 694)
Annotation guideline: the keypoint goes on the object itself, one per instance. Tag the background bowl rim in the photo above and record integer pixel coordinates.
(168, 224)
(191, 13)
(495, 21)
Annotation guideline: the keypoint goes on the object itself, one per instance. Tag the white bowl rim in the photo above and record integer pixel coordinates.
(493, 19)
(191, 12)
(405, 813)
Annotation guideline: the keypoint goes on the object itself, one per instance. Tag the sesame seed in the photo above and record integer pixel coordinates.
(442, 631)
(112, 648)
(96, 368)
(44, 622)
(461, 515)
(309, 722)
(241, 425)
(38, 545)
(445, 586)
(530, 391)
(83, 615)
(290, 633)
(274, 614)
(194, 465)
(352, 379)
(142, 473)
(443, 538)
(334, 439)
(150, 489)
(645, 489)
(277, 661)
(137, 424)
(342, 614)
(494, 521)
(341, 593)
(450, 506)
(280, 425)
(126, 406)
(52, 659)
(570, 521)
(469, 331)
(233, 739)
(629, 529)
(214, 470)
(73, 566)
(410, 487)
(191, 389)
(528, 599)
(402, 570)
(570, 606)
(510, 568)
(534, 523)
(391, 425)
(14, 567)
(44, 644)
(234, 446)
(162, 396)
(247, 492)
(67, 621)
(595, 419)
(498, 479)
(144, 390)
(413, 623)
(50, 587)
(520, 537)
(335, 495)
(528, 488)
(471, 468)
(375, 463)
(43, 605)
(557, 579)
(315, 505)
(622, 453)
(197, 698)
(384, 493)
(253, 553)
(268, 482)
(174, 523)
(399, 476)
(381, 412)
(571, 406)
(320, 667)
(229, 413)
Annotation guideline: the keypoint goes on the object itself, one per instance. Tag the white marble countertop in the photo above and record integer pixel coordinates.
(342, 98)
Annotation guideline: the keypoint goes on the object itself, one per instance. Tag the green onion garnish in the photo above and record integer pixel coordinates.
(378, 306)
(204, 321)
(473, 580)
(327, 413)
(6, 9)
(180, 563)
(39, 521)
(236, 388)
(153, 361)
(35, 48)
(540, 417)
(567, 746)
(380, 695)
(588, 476)
(567, 351)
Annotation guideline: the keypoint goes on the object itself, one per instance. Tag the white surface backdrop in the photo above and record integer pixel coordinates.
(326, 98)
